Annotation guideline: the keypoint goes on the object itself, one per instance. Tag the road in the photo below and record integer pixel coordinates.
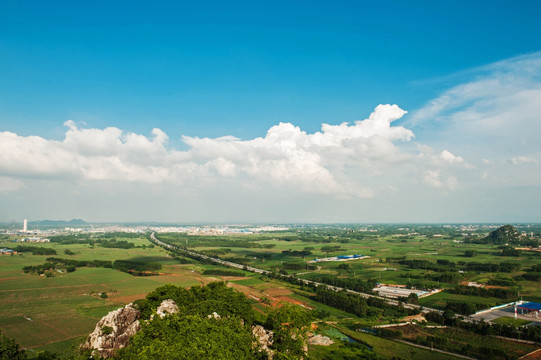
(307, 282)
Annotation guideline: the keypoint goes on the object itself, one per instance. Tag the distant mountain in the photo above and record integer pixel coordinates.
(72, 222)
(506, 234)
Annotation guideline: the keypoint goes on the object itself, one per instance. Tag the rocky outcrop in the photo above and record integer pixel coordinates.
(320, 340)
(114, 331)
(167, 307)
(214, 315)
(264, 339)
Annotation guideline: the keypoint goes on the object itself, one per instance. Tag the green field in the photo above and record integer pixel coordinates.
(50, 312)
(511, 321)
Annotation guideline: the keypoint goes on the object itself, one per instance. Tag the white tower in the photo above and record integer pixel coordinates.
(25, 225)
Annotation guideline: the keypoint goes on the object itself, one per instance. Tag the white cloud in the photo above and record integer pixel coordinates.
(356, 159)
(521, 160)
(493, 120)
(501, 104)
(433, 179)
(450, 158)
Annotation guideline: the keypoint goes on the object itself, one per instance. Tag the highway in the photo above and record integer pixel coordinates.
(307, 282)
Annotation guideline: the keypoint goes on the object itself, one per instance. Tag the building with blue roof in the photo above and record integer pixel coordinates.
(532, 308)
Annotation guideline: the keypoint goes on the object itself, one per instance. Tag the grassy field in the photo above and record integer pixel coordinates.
(439, 300)
(52, 312)
(456, 340)
(389, 349)
(511, 321)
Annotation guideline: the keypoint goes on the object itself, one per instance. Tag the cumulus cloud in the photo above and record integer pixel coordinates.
(450, 158)
(346, 159)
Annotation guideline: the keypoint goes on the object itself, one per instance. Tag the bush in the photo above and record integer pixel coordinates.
(9, 349)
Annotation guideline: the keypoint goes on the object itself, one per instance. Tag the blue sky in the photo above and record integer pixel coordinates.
(467, 73)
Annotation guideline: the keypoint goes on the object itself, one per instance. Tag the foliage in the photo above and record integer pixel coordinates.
(222, 272)
(106, 330)
(509, 251)
(502, 281)
(297, 253)
(182, 336)
(122, 244)
(192, 333)
(46, 355)
(413, 298)
(493, 267)
(500, 293)
(506, 234)
(138, 268)
(464, 308)
(342, 300)
(215, 297)
(389, 333)
(67, 264)
(290, 324)
(35, 250)
(9, 349)
(470, 253)
(356, 284)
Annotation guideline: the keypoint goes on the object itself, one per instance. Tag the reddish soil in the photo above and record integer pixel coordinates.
(282, 299)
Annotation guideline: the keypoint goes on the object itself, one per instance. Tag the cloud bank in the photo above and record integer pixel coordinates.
(470, 154)
(358, 159)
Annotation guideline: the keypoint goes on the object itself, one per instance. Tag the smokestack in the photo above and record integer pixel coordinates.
(25, 225)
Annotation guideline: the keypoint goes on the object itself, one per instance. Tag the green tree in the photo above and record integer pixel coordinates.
(413, 298)
(181, 336)
(470, 253)
(290, 324)
(9, 349)
(46, 355)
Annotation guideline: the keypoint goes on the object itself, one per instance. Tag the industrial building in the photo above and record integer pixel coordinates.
(398, 291)
(341, 258)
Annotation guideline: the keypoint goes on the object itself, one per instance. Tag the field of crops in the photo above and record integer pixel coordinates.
(38, 310)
